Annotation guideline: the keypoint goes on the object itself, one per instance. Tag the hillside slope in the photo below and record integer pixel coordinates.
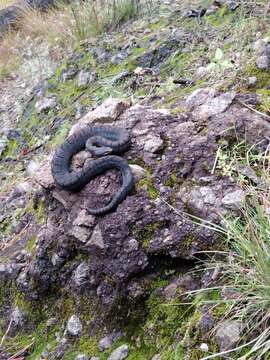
(149, 280)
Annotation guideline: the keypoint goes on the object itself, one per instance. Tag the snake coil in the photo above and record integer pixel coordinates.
(100, 141)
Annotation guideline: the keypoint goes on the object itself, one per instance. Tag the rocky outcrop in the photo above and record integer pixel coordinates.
(180, 181)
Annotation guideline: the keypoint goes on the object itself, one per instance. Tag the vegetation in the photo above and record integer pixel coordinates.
(166, 326)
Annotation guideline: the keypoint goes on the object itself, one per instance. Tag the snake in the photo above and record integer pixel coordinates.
(103, 142)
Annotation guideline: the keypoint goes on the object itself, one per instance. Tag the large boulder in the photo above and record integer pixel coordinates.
(180, 179)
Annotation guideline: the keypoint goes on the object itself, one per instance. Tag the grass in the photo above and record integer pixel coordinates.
(244, 268)
(6, 3)
(62, 28)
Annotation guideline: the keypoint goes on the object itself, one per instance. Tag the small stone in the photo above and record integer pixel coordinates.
(51, 322)
(45, 104)
(228, 334)
(94, 358)
(120, 353)
(83, 78)
(32, 167)
(262, 62)
(199, 97)
(156, 357)
(234, 200)
(81, 357)
(153, 144)
(211, 10)
(201, 72)
(170, 290)
(232, 5)
(138, 172)
(259, 47)
(3, 144)
(132, 245)
(119, 57)
(107, 112)
(84, 219)
(204, 347)
(207, 322)
(80, 274)
(252, 80)
(44, 175)
(74, 326)
(105, 343)
(119, 77)
(17, 320)
(97, 238)
(214, 106)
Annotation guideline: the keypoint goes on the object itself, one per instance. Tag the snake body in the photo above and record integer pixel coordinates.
(99, 141)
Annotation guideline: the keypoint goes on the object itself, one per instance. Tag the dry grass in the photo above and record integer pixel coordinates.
(61, 28)
(6, 3)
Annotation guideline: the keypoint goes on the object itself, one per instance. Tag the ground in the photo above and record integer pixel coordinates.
(192, 108)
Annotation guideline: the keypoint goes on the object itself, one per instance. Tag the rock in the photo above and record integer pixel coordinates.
(51, 322)
(61, 348)
(8, 17)
(102, 55)
(153, 144)
(9, 271)
(80, 109)
(84, 219)
(105, 343)
(119, 57)
(82, 357)
(80, 275)
(17, 320)
(234, 200)
(96, 239)
(260, 47)
(32, 167)
(262, 62)
(204, 347)
(45, 104)
(252, 80)
(212, 10)
(156, 357)
(207, 323)
(74, 326)
(3, 144)
(44, 174)
(107, 112)
(196, 13)
(83, 78)
(232, 5)
(81, 233)
(119, 77)
(94, 358)
(213, 106)
(120, 353)
(228, 334)
(201, 72)
(138, 172)
(154, 58)
(199, 97)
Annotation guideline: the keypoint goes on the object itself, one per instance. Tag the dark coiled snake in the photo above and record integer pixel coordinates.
(101, 142)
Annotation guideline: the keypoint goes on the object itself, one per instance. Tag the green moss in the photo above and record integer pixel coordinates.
(263, 77)
(31, 244)
(12, 149)
(147, 183)
(146, 234)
